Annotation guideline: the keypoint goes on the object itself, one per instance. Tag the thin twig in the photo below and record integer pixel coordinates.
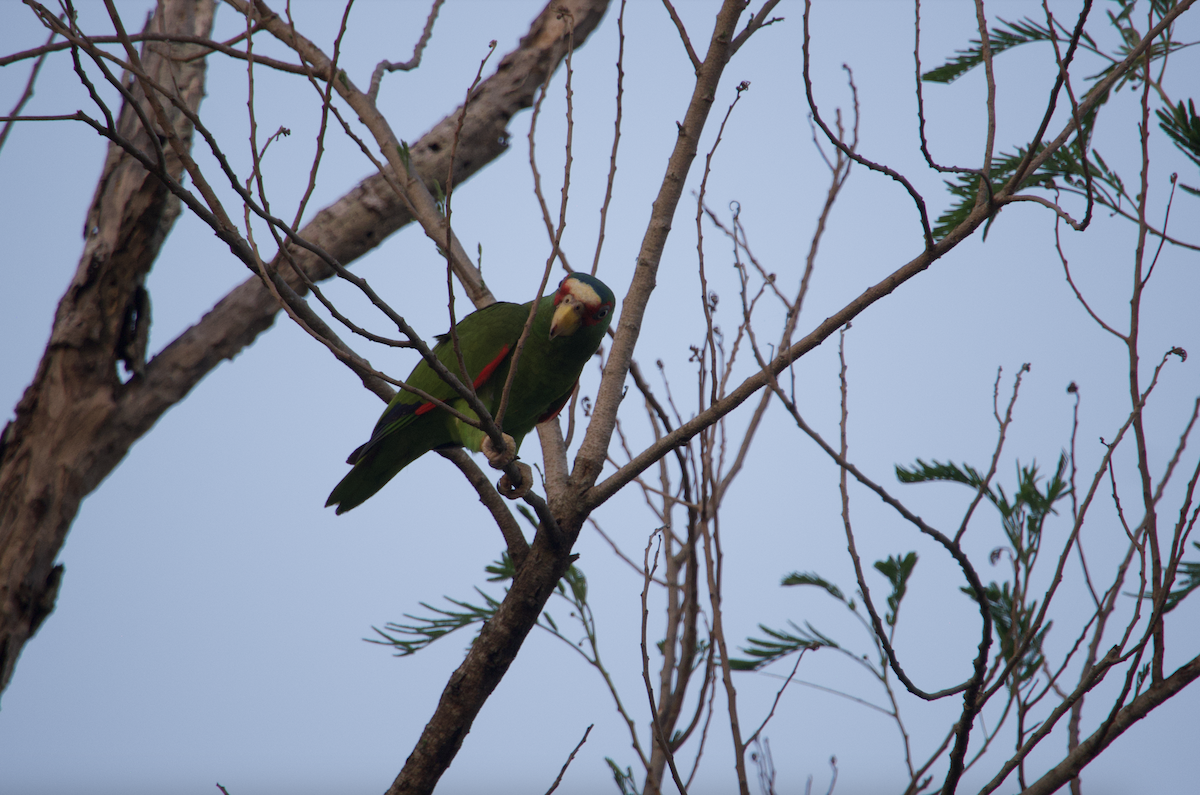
(514, 539)
(411, 63)
(983, 488)
(27, 94)
(612, 160)
(570, 758)
(659, 738)
(687, 43)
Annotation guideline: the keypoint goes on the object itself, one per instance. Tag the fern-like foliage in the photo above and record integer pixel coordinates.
(950, 472)
(1068, 169)
(626, 783)
(1182, 126)
(410, 638)
(1131, 38)
(897, 569)
(1023, 515)
(779, 644)
(1012, 621)
(1188, 581)
(1063, 170)
(812, 578)
(1005, 37)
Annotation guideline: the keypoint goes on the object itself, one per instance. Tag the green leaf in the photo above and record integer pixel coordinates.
(1141, 679)
(439, 197)
(529, 516)
(1024, 516)
(1011, 621)
(779, 644)
(812, 578)
(1182, 126)
(1126, 10)
(1064, 168)
(577, 582)
(937, 471)
(1005, 37)
(897, 569)
(1155, 52)
(407, 639)
(421, 630)
(623, 778)
(501, 570)
(1188, 580)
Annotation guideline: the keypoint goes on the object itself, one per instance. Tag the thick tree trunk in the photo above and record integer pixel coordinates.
(77, 420)
(66, 435)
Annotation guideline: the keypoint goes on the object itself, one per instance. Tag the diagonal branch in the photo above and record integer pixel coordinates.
(66, 436)
(643, 282)
(42, 480)
(591, 454)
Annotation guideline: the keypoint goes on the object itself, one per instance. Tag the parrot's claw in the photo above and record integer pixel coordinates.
(506, 489)
(499, 460)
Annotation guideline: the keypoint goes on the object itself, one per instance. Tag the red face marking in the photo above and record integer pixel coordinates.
(563, 291)
(594, 316)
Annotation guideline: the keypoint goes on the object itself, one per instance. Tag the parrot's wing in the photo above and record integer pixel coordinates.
(554, 408)
(409, 427)
(485, 339)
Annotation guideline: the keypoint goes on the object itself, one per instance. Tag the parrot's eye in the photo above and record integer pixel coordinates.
(602, 313)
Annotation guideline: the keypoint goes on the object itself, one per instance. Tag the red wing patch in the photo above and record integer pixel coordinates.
(486, 372)
(480, 379)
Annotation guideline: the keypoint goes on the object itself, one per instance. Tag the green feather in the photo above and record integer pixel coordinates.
(546, 375)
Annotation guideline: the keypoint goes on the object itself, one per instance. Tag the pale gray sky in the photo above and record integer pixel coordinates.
(210, 622)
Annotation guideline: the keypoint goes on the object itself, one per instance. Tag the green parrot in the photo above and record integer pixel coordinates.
(567, 330)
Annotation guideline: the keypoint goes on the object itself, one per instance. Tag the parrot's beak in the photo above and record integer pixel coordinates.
(567, 316)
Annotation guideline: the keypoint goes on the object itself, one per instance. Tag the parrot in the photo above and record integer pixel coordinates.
(567, 331)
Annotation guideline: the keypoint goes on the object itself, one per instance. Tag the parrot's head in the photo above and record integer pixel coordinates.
(581, 300)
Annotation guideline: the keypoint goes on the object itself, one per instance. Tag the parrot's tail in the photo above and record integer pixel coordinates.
(371, 472)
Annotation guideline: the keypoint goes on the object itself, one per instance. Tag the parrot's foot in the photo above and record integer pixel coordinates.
(499, 460)
(506, 488)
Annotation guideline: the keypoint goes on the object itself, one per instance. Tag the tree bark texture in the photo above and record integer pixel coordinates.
(67, 433)
(77, 420)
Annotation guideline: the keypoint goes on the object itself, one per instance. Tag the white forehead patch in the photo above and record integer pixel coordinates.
(583, 292)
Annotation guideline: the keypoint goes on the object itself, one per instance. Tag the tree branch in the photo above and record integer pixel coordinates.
(67, 434)
(57, 450)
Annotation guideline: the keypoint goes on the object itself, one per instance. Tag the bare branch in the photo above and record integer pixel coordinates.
(27, 94)
(590, 459)
(408, 66)
(518, 547)
(687, 43)
(570, 758)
